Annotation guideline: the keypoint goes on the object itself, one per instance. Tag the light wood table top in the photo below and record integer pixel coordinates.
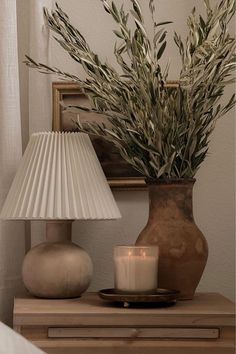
(90, 306)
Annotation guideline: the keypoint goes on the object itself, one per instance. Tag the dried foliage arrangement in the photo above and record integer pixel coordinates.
(162, 132)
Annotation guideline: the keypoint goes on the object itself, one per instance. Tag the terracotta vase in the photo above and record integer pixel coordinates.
(183, 249)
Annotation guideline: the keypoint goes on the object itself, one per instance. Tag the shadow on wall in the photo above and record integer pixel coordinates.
(12, 248)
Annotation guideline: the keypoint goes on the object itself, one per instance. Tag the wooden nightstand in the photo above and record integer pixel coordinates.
(89, 325)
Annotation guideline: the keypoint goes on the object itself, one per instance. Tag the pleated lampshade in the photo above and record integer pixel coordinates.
(60, 177)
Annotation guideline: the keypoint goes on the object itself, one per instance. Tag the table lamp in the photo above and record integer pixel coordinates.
(59, 180)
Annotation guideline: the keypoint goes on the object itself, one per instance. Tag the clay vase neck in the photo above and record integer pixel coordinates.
(170, 202)
(183, 249)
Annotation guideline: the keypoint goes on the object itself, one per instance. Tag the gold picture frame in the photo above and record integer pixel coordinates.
(120, 175)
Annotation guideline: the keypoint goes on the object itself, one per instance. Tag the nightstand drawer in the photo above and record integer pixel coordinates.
(89, 325)
(151, 333)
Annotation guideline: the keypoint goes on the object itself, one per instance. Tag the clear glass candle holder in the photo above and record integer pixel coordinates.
(136, 269)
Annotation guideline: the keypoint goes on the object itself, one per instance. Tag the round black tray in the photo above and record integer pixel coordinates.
(161, 296)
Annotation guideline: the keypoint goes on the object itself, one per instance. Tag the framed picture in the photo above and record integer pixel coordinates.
(119, 173)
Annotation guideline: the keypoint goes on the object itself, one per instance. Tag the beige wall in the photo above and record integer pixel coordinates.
(214, 204)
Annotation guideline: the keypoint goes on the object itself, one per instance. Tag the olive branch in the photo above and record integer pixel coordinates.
(162, 131)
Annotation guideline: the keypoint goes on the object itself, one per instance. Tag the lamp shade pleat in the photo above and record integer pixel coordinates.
(60, 177)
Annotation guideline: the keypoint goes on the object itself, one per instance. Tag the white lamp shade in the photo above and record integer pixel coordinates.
(60, 177)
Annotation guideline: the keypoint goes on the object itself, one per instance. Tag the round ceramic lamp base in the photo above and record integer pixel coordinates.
(57, 268)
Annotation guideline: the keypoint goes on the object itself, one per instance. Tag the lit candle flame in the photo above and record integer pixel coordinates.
(142, 253)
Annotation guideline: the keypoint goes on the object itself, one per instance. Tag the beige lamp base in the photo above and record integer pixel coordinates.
(57, 268)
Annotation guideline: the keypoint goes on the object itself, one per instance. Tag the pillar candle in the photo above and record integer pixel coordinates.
(136, 269)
